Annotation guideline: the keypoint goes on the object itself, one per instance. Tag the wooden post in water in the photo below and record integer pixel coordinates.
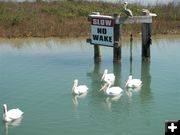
(130, 68)
(117, 73)
(117, 41)
(131, 39)
(146, 39)
(97, 54)
(97, 50)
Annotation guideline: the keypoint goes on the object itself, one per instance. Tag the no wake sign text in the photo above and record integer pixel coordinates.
(102, 31)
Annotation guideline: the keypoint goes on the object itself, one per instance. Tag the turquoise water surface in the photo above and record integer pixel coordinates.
(37, 75)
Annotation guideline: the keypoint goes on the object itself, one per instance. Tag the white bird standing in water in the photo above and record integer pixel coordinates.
(127, 11)
(133, 83)
(108, 77)
(78, 90)
(11, 115)
(111, 91)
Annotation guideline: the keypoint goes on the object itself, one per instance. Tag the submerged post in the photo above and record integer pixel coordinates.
(97, 54)
(117, 41)
(146, 39)
(131, 39)
(130, 68)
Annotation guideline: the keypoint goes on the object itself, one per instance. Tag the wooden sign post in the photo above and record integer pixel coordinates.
(102, 33)
(106, 31)
(117, 41)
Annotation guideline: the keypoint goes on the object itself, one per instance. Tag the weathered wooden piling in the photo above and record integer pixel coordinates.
(97, 54)
(130, 66)
(117, 41)
(131, 39)
(117, 73)
(146, 39)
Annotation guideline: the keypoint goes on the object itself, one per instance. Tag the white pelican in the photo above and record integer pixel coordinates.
(133, 83)
(108, 77)
(147, 12)
(12, 114)
(111, 91)
(78, 90)
(127, 11)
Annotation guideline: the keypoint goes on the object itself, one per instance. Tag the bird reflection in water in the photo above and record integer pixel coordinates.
(110, 99)
(14, 123)
(75, 98)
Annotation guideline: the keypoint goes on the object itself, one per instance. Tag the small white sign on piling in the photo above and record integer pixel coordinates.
(102, 30)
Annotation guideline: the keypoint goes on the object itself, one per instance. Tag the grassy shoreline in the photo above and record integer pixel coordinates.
(69, 18)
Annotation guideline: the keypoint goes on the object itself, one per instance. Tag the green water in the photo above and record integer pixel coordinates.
(36, 75)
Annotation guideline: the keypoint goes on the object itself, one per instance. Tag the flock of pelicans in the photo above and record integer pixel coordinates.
(128, 12)
(113, 92)
(108, 88)
(108, 80)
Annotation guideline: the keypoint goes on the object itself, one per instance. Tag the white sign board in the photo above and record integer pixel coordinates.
(102, 31)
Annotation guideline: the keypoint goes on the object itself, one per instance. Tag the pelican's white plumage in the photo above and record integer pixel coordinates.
(81, 89)
(10, 115)
(127, 11)
(133, 83)
(108, 77)
(147, 12)
(111, 91)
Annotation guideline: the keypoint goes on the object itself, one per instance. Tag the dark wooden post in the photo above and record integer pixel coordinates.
(146, 40)
(117, 41)
(97, 54)
(131, 39)
(117, 73)
(130, 66)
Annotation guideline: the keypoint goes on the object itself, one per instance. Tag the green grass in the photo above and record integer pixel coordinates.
(69, 18)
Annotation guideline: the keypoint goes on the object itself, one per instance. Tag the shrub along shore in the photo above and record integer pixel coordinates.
(69, 18)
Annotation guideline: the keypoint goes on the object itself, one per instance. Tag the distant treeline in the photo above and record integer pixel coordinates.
(69, 18)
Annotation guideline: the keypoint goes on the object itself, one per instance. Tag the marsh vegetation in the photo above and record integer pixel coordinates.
(69, 18)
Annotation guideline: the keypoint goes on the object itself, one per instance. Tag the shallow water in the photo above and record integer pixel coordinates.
(36, 75)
